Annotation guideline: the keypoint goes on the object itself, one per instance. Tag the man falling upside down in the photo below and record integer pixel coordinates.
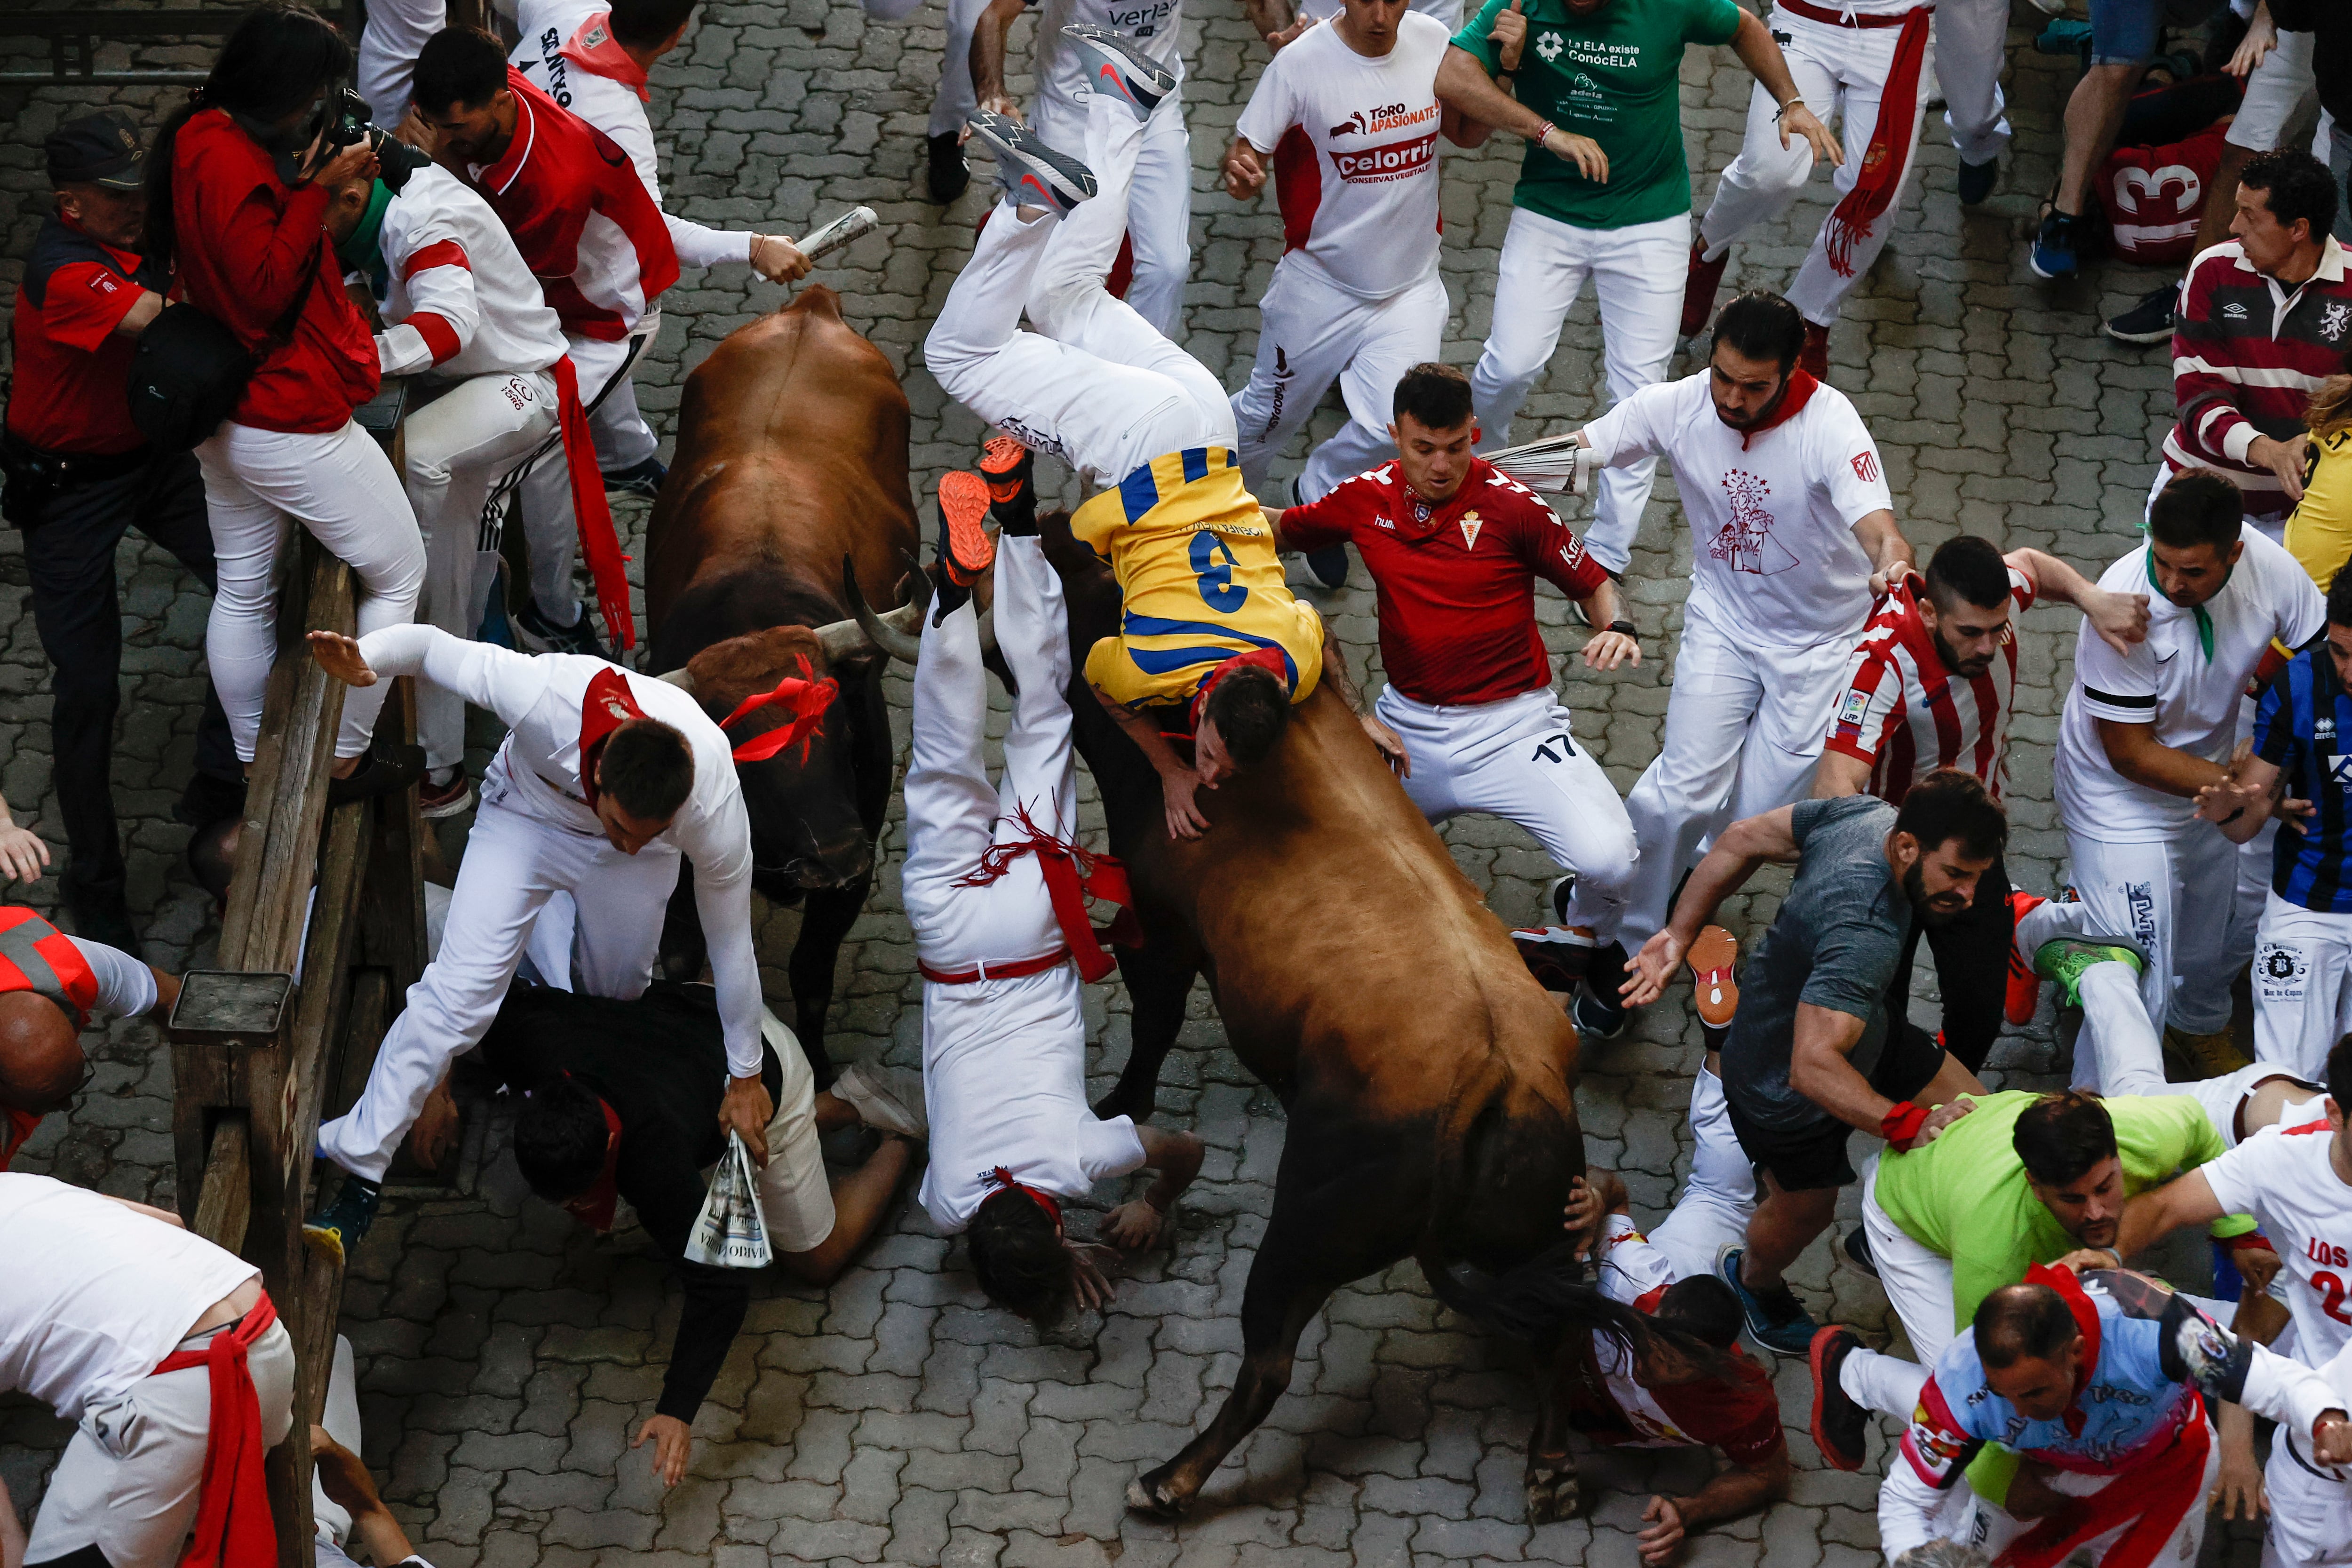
(1211, 641)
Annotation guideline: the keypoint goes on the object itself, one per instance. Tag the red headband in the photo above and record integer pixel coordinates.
(804, 697)
(1001, 1177)
(1273, 660)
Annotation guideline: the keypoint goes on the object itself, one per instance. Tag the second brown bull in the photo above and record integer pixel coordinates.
(792, 456)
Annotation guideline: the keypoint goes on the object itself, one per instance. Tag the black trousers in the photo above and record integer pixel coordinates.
(1971, 955)
(77, 610)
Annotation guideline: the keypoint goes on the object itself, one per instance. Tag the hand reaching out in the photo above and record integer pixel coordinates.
(1652, 969)
(1186, 820)
(340, 657)
(1133, 1225)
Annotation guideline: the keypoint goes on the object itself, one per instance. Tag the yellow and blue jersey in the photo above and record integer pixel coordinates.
(1199, 577)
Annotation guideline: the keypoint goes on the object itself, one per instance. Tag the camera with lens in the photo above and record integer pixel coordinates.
(345, 119)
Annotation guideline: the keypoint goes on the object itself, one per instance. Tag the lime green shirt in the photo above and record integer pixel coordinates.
(1965, 1195)
(1616, 76)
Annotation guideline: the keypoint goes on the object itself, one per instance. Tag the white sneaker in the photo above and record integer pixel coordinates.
(1115, 66)
(1033, 174)
(888, 1099)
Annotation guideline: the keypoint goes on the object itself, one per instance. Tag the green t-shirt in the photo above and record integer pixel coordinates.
(1965, 1195)
(1616, 76)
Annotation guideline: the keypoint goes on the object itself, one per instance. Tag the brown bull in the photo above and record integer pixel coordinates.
(1427, 1079)
(792, 456)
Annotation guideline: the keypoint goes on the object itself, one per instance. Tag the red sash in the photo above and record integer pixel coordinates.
(590, 513)
(234, 1529)
(594, 49)
(605, 708)
(1072, 875)
(1889, 152)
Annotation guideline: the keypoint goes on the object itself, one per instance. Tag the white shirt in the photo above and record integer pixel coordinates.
(2282, 1176)
(614, 108)
(538, 697)
(95, 1294)
(1061, 71)
(2191, 700)
(126, 986)
(1354, 142)
(1447, 13)
(460, 301)
(1004, 1081)
(1774, 554)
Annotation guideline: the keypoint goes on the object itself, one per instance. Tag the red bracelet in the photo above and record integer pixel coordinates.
(1902, 1125)
(2251, 1241)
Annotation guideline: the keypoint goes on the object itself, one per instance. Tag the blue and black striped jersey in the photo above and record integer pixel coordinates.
(2302, 727)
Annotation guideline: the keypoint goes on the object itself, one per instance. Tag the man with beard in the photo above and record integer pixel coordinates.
(1793, 531)
(1929, 688)
(1813, 1052)
(2145, 731)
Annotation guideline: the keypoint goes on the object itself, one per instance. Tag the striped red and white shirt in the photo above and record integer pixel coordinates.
(2247, 353)
(1905, 715)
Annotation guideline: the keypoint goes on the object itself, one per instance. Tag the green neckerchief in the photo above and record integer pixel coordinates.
(2204, 621)
(363, 251)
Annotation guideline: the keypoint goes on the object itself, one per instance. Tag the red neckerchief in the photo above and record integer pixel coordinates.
(804, 697)
(2149, 1497)
(496, 176)
(1001, 1177)
(17, 1127)
(1271, 659)
(1071, 876)
(596, 50)
(595, 1207)
(2086, 1321)
(233, 1528)
(1440, 512)
(608, 705)
(1800, 390)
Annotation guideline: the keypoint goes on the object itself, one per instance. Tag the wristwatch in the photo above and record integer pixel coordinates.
(1625, 627)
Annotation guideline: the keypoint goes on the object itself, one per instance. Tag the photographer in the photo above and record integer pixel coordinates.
(78, 475)
(238, 196)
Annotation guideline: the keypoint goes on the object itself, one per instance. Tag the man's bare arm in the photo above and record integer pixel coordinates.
(986, 57)
(2133, 752)
(1838, 775)
(2120, 619)
(1744, 845)
(1890, 554)
(1821, 1067)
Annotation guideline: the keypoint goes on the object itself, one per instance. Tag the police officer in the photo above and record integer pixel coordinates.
(78, 475)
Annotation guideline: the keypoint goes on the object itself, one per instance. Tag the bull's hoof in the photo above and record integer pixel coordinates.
(1153, 1495)
(1553, 1494)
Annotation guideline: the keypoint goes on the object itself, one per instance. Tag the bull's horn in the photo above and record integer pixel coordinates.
(895, 633)
(679, 678)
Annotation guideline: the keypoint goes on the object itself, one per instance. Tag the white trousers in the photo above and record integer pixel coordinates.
(623, 439)
(954, 813)
(1638, 273)
(2303, 987)
(339, 486)
(1159, 205)
(454, 449)
(1971, 48)
(128, 1482)
(1516, 760)
(1918, 1284)
(1744, 728)
(395, 31)
(514, 863)
(2172, 899)
(1095, 385)
(1990, 1529)
(2275, 91)
(955, 100)
(2311, 1509)
(1312, 332)
(1841, 72)
(1713, 1210)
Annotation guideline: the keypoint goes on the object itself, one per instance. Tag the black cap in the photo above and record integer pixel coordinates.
(101, 149)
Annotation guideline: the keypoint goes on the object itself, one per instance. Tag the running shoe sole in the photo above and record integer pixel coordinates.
(1837, 1455)
(965, 549)
(1006, 465)
(1114, 65)
(1716, 992)
(1031, 173)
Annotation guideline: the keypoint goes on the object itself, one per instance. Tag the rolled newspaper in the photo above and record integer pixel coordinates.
(855, 224)
(1555, 463)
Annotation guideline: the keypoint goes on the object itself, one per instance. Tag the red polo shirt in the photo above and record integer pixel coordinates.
(73, 373)
(1456, 582)
(245, 243)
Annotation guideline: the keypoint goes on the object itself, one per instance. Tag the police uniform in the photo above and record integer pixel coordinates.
(79, 475)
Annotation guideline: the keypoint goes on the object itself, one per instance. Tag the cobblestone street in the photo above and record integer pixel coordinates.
(505, 1355)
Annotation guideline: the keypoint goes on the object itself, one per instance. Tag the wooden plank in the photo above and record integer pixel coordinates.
(224, 1203)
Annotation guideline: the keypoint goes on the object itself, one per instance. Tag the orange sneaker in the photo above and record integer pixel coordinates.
(965, 549)
(1007, 466)
(2024, 985)
(1711, 959)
